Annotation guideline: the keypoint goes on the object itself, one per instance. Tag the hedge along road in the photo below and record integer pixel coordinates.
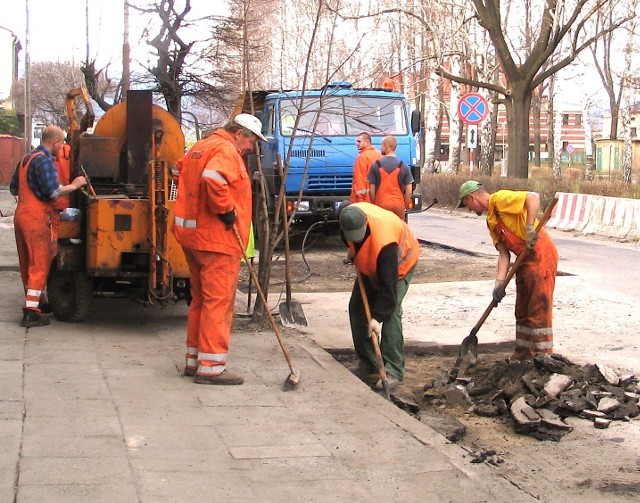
(595, 308)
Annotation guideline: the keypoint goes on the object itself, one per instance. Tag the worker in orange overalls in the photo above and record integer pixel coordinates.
(390, 180)
(214, 195)
(511, 218)
(62, 161)
(368, 154)
(36, 184)
(385, 253)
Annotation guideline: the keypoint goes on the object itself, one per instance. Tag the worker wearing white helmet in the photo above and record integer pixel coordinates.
(214, 195)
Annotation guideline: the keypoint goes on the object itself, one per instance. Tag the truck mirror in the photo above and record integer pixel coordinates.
(416, 120)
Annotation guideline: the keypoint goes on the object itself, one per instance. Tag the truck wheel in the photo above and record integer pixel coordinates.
(69, 295)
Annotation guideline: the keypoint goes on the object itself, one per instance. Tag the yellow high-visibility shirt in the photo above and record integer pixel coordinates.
(508, 206)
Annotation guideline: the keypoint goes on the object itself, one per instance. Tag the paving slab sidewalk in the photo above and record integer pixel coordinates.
(98, 411)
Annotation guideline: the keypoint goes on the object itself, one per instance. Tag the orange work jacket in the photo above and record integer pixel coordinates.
(213, 180)
(385, 228)
(360, 185)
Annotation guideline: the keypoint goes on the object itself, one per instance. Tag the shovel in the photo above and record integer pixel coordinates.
(469, 346)
(374, 340)
(291, 311)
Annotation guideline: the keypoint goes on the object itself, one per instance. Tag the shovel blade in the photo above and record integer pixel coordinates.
(292, 314)
(468, 350)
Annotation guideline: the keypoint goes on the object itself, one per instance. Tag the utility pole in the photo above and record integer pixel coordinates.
(27, 85)
(126, 77)
(86, 29)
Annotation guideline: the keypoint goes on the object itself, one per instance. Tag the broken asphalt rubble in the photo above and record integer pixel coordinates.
(538, 395)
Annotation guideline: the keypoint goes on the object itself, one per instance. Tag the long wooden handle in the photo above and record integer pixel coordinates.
(263, 298)
(545, 217)
(374, 338)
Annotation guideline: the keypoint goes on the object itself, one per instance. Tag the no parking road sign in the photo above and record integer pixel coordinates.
(473, 108)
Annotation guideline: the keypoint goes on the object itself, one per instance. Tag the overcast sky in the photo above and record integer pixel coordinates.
(57, 28)
(57, 31)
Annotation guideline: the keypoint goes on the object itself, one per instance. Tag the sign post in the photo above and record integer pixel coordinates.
(472, 109)
(570, 152)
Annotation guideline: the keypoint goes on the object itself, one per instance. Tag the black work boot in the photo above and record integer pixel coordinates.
(31, 318)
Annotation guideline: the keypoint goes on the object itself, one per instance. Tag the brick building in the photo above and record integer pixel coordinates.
(572, 128)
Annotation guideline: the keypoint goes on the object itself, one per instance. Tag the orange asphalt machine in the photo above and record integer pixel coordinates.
(117, 240)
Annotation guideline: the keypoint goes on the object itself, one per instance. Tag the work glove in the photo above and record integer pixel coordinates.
(498, 292)
(229, 218)
(532, 236)
(376, 327)
(349, 259)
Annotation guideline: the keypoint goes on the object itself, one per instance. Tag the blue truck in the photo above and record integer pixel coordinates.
(314, 132)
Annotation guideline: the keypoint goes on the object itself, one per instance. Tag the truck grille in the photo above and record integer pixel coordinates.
(329, 183)
(302, 153)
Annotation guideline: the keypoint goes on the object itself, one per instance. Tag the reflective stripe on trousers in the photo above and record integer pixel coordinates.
(191, 358)
(535, 283)
(214, 278)
(33, 240)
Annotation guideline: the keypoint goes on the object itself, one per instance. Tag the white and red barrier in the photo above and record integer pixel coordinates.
(615, 217)
(572, 212)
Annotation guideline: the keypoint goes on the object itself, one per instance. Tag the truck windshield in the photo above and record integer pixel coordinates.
(344, 116)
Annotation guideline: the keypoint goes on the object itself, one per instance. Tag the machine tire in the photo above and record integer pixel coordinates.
(69, 295)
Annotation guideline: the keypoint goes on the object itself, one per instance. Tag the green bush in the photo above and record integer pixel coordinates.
(445, 186)
(9, 123)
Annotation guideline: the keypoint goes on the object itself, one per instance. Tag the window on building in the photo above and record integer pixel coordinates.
(565, 144)
(578, 120)
(634, 132)
(565, 119)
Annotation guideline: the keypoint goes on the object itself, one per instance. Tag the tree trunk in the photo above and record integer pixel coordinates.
(518, 108)
(550, 139)
(174, 106)
(557, 144)
(615, 113)
(487, 148)
(454, 121)
(588, 142)
(625, 116)
(535, 110)
(431, 125)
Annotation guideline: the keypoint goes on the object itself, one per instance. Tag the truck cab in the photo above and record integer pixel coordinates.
(314, 133)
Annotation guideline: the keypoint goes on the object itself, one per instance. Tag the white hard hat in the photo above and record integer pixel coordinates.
(251, 123)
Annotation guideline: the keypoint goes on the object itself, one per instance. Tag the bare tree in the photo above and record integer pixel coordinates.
(556, 21)
(605, 52)
(100, 86)
(50, 82)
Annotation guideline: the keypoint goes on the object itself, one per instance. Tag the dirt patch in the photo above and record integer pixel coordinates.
(320, 267)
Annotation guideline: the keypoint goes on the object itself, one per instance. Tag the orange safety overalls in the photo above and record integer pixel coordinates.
(213, 180)
(32, 225)
(390, 194)
(535, 283)
(63, 165)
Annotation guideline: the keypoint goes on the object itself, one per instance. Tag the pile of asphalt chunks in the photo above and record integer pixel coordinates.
(539, 395)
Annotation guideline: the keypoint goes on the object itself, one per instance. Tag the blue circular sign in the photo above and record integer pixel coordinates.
(473, 108)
